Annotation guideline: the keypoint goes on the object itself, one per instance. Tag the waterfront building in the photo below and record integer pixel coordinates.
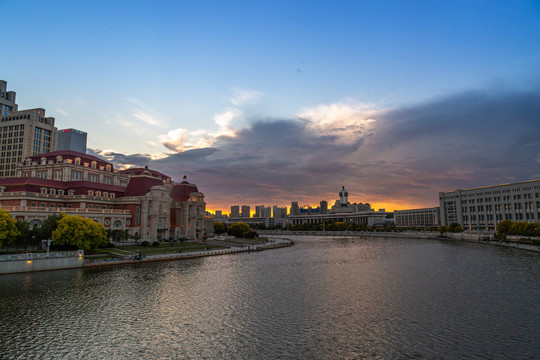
(146, 203)
(483, 208)
(343, 211)
(7, 99)
(426, 217)
(246, 211)
(71, 139)
(235, 211)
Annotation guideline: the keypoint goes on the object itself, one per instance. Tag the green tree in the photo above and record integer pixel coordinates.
(81, 232)
(340, 226)
(48, 226)
(219, 228)
(26, 235)
(238, 229)
(442, 229)
(454, 228)
(504, 226)
(8, 228)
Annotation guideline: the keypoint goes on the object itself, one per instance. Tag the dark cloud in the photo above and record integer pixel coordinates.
(464, 140)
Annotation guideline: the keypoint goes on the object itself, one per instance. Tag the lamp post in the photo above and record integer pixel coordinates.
(48, 242)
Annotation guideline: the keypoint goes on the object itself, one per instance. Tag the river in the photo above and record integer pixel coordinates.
(325, 298)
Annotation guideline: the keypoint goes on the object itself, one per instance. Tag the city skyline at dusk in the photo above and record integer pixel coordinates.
(270, 103)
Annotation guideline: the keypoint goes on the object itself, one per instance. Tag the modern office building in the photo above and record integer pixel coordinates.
(483, 208)
(324, 207)
(235, 211)
(279, 212)
(7, 99)
(71, 139)
(24, 133)
(295, 209)
(144, 202)
(246, 211)
(427, 217)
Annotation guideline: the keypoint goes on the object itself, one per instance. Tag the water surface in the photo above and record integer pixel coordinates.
(345, 298)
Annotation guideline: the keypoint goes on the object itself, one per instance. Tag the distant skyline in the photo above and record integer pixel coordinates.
(273, 102)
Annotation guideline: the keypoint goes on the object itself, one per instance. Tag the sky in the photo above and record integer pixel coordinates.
(268, 102)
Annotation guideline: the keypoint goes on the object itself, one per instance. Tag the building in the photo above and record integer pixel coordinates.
(295, 209)
(484, 207)
(144, 202)
(235, 211)
(7, 99)
(280, 212)
(71, 139)
(427, 217)
(324, 207)
(246, 211)
(24, 133)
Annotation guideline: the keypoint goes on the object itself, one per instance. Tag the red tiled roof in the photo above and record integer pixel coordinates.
(32, 181)
(70, 154)
(139, 185)
(80, 187)
(180, 192)
(140, 171)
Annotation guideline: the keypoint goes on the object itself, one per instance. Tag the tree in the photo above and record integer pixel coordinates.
(219, 228)
(48, 226)
(238, 230)
(504, 226)
(454, 228)
(340, 226)
(8, 228)
(78, 231)
(442, 229)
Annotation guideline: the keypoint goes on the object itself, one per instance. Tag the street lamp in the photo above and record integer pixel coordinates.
(48, 242)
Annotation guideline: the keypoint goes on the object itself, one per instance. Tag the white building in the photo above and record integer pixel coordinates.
(426, 217)
(484, 207)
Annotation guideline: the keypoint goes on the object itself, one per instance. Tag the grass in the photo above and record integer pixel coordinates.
(163, 249)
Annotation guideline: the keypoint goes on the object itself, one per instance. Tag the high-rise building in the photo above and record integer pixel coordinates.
(24, 133)
(71, 139)
(295, 210)
(259, 211)
(267, 212)
(7, 99)
(246, 211)
(324, 207)
(235, 211)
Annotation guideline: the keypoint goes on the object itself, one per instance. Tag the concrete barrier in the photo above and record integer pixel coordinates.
(10, 264)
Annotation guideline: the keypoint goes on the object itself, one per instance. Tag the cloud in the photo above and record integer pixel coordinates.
(244, 97)
(63, 112)
(401, 156)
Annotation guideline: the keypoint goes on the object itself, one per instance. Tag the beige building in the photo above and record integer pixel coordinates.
(427, 217)
(484, 207)
(22, 134)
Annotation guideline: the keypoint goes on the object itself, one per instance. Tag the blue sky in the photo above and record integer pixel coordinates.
(186, 86)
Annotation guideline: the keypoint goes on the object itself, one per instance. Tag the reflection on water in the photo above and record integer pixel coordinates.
(324, 298)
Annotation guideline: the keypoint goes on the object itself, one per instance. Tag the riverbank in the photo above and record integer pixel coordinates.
(273, 243)
(475, 238)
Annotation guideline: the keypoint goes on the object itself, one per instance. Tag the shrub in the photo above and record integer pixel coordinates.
(145, 243)
(251, 235)
(155, 244)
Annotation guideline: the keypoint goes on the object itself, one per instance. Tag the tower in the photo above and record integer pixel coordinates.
(343, 197)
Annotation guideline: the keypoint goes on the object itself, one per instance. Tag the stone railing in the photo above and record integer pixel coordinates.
(35, 256)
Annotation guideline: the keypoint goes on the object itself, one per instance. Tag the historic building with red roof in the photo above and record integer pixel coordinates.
(145, 202)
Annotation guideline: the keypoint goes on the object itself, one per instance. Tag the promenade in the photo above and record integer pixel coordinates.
(475, 238)
(272, 243)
